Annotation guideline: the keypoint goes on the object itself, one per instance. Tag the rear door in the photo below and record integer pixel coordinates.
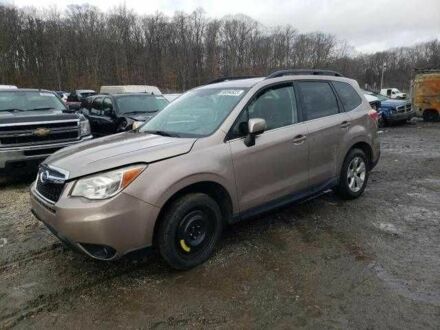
(277, 165)
(327, 124)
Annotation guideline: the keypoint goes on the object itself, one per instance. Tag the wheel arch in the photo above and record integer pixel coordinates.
(366, 148)
(212, 188)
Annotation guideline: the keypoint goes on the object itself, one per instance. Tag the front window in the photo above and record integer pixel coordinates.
(29, 101)
(140, 103)
(196, 113)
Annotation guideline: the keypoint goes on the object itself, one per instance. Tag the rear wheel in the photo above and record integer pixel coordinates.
(431, 115)
(189, 230)
(354, 175)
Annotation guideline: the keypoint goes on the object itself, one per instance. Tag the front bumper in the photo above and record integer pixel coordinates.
(11, 157)
(120, 224)
(400, 116)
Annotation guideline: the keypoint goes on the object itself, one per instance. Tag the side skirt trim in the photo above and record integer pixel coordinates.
(296, 197)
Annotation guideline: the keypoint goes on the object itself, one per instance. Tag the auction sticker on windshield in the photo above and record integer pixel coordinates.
(231, 92)
(47, 94)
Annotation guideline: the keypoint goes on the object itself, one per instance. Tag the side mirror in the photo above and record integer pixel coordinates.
(108, 112)
(256, 126)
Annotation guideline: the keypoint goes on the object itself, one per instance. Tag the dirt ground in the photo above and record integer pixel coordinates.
(372, 263)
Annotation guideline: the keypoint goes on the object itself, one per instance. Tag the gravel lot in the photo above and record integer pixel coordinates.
(365, 264)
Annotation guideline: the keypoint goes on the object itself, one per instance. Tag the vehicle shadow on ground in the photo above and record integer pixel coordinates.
(21, 179)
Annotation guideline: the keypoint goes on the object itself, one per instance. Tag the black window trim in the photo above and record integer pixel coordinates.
(290, 83)
(300, 98)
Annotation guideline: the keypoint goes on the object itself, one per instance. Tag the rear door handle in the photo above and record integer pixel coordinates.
(299, 139)
(345, 124)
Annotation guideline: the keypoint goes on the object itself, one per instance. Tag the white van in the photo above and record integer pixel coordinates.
(393, 93)
(130, 89)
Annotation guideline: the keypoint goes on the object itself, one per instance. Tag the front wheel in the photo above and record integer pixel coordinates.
(189, 230)
(354, 175)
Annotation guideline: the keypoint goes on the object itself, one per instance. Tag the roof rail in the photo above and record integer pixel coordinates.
(315, 72)
(218, 80)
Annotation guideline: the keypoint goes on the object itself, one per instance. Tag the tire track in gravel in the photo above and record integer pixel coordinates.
(51, 300)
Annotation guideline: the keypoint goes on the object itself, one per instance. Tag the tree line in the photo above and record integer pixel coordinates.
(83, 47)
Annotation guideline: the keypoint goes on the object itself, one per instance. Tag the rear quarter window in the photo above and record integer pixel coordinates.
(349, 97)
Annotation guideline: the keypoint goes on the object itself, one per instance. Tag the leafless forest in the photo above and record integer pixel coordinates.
(85, 47)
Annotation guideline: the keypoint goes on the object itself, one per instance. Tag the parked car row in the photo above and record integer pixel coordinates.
(180, 171)
(35, 123)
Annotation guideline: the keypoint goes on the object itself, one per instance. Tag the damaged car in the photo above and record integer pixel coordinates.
(218, 154)
(115, 113)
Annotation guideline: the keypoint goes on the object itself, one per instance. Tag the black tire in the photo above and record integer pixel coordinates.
(344, 189)
(431, 116)
(189, 230)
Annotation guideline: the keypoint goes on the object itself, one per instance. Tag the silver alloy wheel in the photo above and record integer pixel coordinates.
(356, 174)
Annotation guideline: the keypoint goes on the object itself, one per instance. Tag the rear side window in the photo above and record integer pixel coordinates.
(349, 98)
(318, 99)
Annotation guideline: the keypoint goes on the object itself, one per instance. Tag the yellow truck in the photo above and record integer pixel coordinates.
(426, 94)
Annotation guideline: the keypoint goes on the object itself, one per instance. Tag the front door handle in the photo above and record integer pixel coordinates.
(299, 139)
(345, 124)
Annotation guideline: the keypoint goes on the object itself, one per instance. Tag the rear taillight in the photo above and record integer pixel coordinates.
(374, 115)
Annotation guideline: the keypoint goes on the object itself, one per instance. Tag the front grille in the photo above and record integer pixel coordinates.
(400, 109)
(39, 133)
(38, 152)
(50, 183)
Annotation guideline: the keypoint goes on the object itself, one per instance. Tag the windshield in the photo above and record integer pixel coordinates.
(27, 101)
(196, 113)
(140, 103)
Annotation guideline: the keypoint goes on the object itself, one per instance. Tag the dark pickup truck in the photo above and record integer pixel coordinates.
(34, 124)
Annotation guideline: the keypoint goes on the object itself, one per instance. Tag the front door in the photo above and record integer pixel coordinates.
(276, 167)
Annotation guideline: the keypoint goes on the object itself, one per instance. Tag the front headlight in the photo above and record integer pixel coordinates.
(85, 127)
(138, 124)
(107, 184)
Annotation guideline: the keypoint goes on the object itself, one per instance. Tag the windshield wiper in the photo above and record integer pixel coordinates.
(13, 110)
(163, 133)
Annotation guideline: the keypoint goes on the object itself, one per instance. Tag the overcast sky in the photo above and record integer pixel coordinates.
(368, 25)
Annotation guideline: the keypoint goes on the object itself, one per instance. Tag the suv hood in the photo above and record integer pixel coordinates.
(117, 150)
(393, 103)
(8, 117)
